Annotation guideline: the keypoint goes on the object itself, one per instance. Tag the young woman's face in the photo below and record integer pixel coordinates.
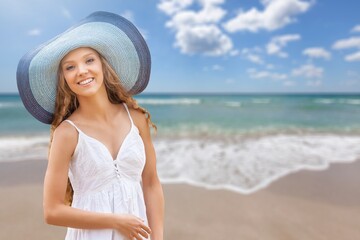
(83, 72)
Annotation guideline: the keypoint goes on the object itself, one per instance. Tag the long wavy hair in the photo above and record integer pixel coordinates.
(66, 103)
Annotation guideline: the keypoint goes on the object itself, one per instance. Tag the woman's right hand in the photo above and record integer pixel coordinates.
(132, 226)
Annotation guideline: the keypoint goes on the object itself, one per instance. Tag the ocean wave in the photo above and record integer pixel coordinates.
(351, 101)
(261, 101)
(175, 101)
(233, 104)
(243, 163)
(246, 165)
(10, 104)
(216, 130)
(324, 101)
(19, 148)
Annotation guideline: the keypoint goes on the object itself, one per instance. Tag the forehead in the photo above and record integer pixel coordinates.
(78, 54)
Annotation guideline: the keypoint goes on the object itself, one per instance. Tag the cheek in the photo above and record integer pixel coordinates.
(100, 72)
(99, 68)
(70, 86)
(69, 77)
(69, 82)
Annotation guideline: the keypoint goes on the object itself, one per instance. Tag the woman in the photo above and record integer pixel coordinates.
(101, 181)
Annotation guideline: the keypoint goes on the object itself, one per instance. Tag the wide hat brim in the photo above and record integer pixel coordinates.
(113, 36)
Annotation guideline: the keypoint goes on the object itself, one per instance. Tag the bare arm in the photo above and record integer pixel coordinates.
(55, 210)
(153, 193)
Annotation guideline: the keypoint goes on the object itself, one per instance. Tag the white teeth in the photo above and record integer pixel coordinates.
(86, 81)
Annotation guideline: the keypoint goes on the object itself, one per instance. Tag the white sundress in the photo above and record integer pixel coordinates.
(107, 185)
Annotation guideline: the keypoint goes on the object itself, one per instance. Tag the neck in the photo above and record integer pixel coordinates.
(96, 107)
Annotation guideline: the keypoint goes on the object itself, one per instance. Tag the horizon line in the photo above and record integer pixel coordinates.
(218, 93)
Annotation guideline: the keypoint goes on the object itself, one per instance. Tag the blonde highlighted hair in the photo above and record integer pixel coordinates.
(66, 103)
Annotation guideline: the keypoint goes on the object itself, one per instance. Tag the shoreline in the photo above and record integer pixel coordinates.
(306, 171)
(303, 205)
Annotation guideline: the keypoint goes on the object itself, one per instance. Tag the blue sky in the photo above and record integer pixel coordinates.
(211, 45)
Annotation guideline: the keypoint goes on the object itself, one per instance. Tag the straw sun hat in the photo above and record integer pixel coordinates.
(114, 37)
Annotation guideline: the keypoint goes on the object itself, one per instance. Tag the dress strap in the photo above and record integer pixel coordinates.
(127, 109)
(69, 121)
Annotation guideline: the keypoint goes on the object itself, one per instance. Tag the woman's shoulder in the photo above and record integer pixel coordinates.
(137, 115)
(66, 132)
(139, 119)
(64, 141)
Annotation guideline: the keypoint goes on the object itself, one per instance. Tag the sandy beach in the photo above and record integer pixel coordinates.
(304, 205)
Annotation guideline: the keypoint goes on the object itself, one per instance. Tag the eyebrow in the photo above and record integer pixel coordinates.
(86, 55)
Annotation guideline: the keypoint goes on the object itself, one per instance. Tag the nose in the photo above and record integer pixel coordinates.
(82, 69)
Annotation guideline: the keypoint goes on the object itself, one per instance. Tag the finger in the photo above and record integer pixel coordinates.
(140, 219)
(146, 228)
(137, 237)
(132, 236)
(143, 233)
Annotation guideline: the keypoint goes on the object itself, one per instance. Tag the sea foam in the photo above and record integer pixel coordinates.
(169, 101)
(20, 148)
(242, 163)
(246, 165)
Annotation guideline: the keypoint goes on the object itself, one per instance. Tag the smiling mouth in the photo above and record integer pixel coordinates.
(86, 81)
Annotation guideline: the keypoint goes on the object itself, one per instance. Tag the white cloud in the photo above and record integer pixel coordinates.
(197, 32)
(347, 43)
(353, 42)
(34, 32)
(185, 18)
(255, 59)
(205, 39)
(308, 71)
(356, 28)
(211, 2)
(317, 52)
(254, 73)
(353, 57)
(276, 14)
(172, 6)
(253, 55)
(274, 47)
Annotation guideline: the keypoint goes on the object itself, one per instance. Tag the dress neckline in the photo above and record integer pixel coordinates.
(101, 143)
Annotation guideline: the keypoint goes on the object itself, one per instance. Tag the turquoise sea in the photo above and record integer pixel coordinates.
(216, 114)
(241, 142)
